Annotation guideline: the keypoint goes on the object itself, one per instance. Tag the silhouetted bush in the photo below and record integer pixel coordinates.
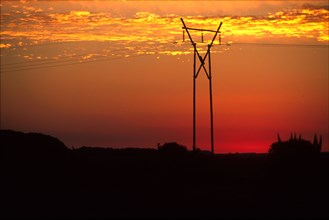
(296, 147)
(172, 148)
(31, 146)
(199, 151)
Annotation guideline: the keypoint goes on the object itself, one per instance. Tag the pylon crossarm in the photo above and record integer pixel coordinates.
(198, 29)
(213, 39)
(196, 51)
(188, 33)
(209, 46)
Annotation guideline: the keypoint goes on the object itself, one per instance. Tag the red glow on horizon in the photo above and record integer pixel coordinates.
(104, 74)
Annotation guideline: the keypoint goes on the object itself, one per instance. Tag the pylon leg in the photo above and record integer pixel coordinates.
(211, 108)
(194, 100)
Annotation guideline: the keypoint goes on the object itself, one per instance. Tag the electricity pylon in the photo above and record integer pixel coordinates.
(195, 75)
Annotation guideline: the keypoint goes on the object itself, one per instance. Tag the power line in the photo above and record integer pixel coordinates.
(37, 64)
(279, 44)
(73, 63)
(54, 43)
(62, 59)
(48, 62)
(36, 61)
(13, 67)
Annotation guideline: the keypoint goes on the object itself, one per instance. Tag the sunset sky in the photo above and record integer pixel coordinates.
(117, 73)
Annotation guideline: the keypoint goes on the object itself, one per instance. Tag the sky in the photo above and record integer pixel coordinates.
(118, 73)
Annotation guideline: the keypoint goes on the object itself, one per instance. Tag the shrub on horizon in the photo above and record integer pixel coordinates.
(172, 148)
(296, 147)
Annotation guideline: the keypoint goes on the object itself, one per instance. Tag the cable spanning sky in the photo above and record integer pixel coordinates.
(117, 73)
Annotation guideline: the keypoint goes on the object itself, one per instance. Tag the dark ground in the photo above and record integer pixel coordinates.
(43, 179)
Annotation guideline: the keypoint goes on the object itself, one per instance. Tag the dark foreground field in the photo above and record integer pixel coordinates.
(41, 178)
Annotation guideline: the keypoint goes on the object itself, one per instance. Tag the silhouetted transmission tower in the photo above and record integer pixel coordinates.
(196, 73)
